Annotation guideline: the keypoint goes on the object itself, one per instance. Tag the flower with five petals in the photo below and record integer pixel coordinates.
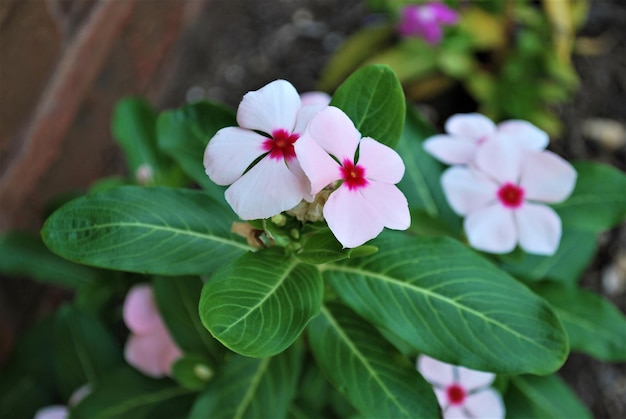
(258, 159)
(461, 392)
(367, 199)
(426, 21)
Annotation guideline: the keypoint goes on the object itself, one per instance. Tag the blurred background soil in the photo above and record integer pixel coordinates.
(64, 64)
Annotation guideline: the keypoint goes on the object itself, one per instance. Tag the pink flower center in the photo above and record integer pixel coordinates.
(353, 176)
(511, 195)
(456, 394)
(280, 146)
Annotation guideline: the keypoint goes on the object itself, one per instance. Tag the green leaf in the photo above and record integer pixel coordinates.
(574, 254)
(84, 351)
(25, 255)
(184, 133)
(125, 393)
(321, 246)
(598, 201)
(156, 230)
(373, 99)
(542, 397)
(594, 325)
(178, 299)
(451, 304)
(134, 129)
(409, 59)
(371, 373)
(193, 371)
(251, 388)
(259, 303)
(421, 183)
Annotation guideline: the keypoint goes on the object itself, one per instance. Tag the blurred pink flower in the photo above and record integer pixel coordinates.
(275, 182)
(150, 348)
(426, 21)
(501, 197)
(467, 132)
(366, 199)
(461, 392)
(59, 411)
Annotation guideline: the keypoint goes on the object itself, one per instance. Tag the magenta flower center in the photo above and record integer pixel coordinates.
(280, 146)
(353, 176)
(511, 195)
(456, 394)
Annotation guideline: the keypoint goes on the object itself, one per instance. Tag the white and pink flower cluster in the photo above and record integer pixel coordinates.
(501, 180)
(461, 392)
(289, 148)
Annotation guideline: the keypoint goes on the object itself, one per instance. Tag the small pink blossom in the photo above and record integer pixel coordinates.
(366, 199)
(461, 392)
(426, 21)
(502, 197)
(150, 347)
(60, 411)
(276, 182)
(467, 132)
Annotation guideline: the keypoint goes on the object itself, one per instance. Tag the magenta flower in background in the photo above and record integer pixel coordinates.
(461, 392)
(426, 21)
(276, 182)
(366, 199)
(150, 348)
(467, 132)
(502, 197)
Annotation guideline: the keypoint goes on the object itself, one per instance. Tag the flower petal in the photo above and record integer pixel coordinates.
(296, 170)
(273, 106)
(230, 152)
(456, 412)
(56, 411)
(317, 164)
(443, 13)
(150, 354)
(305, 116)
(547, 177)
(442, 397)
(485, 404)
(472, 379)
(265, 190)
(501, 159)
(491, 229)
(315, 98)
(335, 133)
(451, 150)
(467, 190)
(351, 218)
(539, 228)
(139, 311)
(435, 372)
(524, 134)
(381, 162)
(470, 125)
(390, 202)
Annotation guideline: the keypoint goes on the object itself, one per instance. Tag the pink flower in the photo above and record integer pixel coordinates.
(150, 347)
(461, 392)
(262, 170)
(467, 132)
(426, 20)
(59, 411)
(501, 197)
(366, 199)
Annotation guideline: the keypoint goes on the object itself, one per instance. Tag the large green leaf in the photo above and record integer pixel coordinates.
(371, 373)
(373, 99)
(529, 396)
(451, 304)
(598, 201)
(184, 133)
(421, 183)
(594, 325)
(575, 252)
(259, 303)
(126, 393)
(178, 299)
(252, 388)
(25, 255)
(134, 128)
(84, 351)
(148, 230)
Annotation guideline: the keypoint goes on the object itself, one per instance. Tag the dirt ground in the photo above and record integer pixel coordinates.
(172, 51)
